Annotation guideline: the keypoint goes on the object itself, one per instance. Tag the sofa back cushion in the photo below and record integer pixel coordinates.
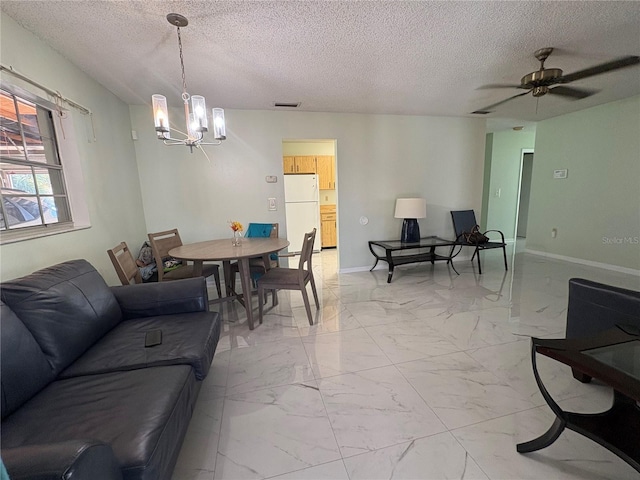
(66, 307)
(595, 307)
(24, 369)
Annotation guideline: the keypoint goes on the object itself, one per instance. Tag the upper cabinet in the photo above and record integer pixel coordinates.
(322, 165)
(302, 164)
(326, 172)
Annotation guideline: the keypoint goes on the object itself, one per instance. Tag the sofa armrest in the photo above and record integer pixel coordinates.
(162, 298)
(71, 460)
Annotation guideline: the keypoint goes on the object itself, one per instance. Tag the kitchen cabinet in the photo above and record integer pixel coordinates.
(326, 172)
(299, 164)
(328, 234)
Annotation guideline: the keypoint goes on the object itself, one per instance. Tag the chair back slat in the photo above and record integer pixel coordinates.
(262, 230)
(124, 264)
(306, 253)
(463, 221)
(161, 243)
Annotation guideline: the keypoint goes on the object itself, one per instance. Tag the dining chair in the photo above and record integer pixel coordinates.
(161, 243)
(291, 279)
(256, 264)
(464, 222)
(124, 264)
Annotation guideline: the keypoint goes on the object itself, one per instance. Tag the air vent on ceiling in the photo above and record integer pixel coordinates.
(286, 104)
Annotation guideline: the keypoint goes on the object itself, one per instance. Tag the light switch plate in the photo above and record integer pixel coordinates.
(560, 173)
(271, 179)
(272, 204)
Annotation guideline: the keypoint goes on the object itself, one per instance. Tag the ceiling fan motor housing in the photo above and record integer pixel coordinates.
(540, 78)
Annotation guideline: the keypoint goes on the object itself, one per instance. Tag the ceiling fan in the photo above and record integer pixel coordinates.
(540, 82)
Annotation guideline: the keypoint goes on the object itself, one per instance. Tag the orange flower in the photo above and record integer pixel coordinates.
(236, 226)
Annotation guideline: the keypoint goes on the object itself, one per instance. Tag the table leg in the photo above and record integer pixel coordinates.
(545, 439)
(391, 265)
(197, 268)
(245, 278)
(226, 267)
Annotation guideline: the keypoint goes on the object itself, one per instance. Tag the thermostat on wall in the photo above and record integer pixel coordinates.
(560, 173)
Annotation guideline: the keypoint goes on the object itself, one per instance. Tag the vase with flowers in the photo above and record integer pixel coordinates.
(237, 232)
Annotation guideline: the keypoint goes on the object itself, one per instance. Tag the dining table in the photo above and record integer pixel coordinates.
(225, 251)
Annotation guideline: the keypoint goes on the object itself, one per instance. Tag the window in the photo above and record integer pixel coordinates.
(32, 180)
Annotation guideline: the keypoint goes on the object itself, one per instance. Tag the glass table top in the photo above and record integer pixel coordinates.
(621, 356)
(424, 242)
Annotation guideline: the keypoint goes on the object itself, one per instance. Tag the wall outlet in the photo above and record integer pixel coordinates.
(271, 179)
(498, 192)
(554, 232)
(272, 204)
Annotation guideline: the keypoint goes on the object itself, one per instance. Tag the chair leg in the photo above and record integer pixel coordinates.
(216, 276)
(261, 299)
(305, 297)
(504, 253)
(315, 292)
(477, 252)
(274, 297)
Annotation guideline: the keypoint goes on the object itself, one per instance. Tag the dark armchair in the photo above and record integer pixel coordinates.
(463, 223)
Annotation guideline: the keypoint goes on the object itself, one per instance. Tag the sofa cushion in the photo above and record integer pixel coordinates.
(24, 369)
(142, 414)
(189, 339)
(67, 307)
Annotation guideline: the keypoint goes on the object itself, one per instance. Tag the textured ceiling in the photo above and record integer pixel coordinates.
(395, 57)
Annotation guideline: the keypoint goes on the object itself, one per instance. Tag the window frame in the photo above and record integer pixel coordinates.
(71, 178)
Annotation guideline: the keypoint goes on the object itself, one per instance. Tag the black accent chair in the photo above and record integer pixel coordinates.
(463, 222)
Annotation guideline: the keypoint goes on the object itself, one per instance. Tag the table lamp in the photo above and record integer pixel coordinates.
(410, 209)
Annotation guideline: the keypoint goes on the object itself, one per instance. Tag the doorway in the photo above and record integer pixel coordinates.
(314, 157)
(524, 194)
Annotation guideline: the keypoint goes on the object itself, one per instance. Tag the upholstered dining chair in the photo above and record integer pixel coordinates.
(161, 243)
(291, 279)
(463, 223)
(256, 264)
(124, 264)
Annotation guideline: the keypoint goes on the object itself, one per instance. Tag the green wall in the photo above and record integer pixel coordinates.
(506, 151)
(108, 164)
(596, 209)
(380, 158)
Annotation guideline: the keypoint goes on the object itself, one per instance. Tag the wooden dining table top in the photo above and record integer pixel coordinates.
(220, 250)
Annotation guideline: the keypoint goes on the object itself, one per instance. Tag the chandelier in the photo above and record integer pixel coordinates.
(195, 117)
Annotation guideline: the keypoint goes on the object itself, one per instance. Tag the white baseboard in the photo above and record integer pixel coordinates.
(581, 261)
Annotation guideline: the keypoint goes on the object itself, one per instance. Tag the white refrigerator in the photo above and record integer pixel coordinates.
(302, 208)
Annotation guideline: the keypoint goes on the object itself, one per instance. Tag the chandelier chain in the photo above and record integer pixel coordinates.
(185, 95)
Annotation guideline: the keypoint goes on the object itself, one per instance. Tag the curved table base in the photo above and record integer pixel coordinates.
(617, 429)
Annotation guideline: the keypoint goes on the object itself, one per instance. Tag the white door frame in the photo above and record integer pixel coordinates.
(523, 151)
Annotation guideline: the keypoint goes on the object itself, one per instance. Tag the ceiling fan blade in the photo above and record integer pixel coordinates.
(598, 69)
(498, 85)
(572, 93)
(488, 109)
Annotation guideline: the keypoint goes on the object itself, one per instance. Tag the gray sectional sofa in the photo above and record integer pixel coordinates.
(82, 396)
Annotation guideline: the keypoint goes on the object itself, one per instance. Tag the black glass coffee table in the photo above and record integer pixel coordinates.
(399, 253)
(613, 357)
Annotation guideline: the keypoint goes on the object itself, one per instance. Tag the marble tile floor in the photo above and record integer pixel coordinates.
(428, 377)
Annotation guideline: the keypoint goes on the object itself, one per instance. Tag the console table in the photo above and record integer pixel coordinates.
(613, 357)
(394, 258)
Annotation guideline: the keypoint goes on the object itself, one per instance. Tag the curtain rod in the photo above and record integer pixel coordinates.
(51, 92)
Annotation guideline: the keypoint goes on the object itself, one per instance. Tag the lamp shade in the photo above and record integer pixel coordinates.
(411, 208)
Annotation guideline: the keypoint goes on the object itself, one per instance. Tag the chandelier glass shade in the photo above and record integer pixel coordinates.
(195, 109)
